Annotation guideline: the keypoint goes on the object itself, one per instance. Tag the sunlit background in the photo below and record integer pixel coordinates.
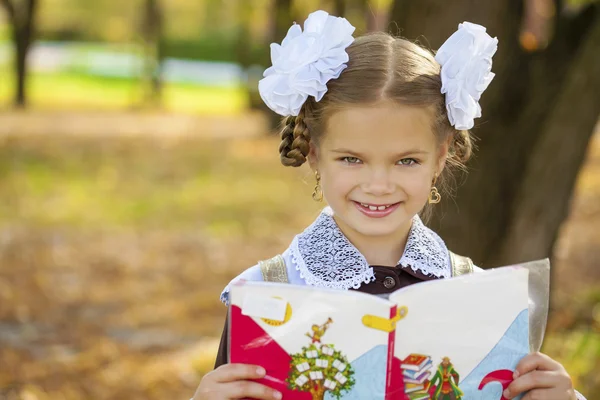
(139, 173)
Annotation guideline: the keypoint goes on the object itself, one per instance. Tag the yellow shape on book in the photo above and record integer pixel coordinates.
(286, 318)
(384, 324)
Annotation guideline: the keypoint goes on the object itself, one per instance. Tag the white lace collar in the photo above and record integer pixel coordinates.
(326, 258)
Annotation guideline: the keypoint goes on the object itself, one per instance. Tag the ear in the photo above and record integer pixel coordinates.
(313, 156)
(442, 156)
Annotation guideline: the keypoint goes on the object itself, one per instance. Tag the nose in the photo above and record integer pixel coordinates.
(378, 182)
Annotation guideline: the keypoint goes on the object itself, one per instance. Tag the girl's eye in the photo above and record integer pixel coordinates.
(408, 161)
(351, 160)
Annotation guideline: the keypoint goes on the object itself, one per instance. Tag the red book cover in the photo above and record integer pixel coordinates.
(301, 337)
(415, 362)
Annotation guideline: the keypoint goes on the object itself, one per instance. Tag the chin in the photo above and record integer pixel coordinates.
(375, 231)
(368, 226)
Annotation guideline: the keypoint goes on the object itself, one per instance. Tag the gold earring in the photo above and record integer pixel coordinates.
(318, 192)
(434, 196)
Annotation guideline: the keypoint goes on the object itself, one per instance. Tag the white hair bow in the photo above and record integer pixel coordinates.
(466, 60)
(305, 61)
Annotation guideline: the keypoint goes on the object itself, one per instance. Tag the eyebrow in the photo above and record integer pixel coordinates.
(400, 155)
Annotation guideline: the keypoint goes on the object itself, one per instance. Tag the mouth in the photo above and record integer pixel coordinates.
(374, 207)
(376, 210)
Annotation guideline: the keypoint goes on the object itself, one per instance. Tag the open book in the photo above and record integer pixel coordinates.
(458, 338)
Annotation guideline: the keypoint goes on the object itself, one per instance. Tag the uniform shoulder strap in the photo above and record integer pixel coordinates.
(460, 264)
(274, 269)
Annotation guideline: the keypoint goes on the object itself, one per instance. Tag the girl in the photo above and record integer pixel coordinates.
(382, 124)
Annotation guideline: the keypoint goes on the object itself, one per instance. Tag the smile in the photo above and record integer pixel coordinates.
(376, 210)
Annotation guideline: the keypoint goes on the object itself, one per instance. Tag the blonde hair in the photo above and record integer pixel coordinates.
(380, 67)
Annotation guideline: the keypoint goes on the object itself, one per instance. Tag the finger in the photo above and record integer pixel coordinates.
(540, 394)
(530, 381)
(245, 389)
(534, 361)
(237, 372)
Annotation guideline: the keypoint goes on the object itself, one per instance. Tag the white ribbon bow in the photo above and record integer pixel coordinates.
(305, 62)
(466, 60)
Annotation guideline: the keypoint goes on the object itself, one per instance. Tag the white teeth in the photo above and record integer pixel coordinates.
(375, 208)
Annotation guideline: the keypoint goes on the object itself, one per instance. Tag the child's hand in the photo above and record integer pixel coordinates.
(542, 378)
(232, 381)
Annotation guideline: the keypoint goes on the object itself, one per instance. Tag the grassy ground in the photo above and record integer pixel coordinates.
(113, 253)
(68, 91)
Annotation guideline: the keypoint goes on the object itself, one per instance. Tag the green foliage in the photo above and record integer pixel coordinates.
(203, 29)
(76, 91)
(214, 48)
(580, 2)
(4, 32)
(329, 372)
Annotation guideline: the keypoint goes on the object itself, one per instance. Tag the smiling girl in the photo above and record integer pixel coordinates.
(382, 123)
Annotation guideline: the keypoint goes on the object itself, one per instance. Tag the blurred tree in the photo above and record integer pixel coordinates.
(21, 15)
(244, 54)
(340, 7)
(365, 15)
(539, 114)
(279, 16)
(370, 11)
(282, 14)
(152, 31)
(377, 14)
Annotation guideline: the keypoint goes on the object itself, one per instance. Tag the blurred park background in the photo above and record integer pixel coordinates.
(139, 173)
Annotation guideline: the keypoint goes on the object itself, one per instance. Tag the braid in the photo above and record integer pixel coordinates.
(287, 137)
(463, 146)
(295, 139)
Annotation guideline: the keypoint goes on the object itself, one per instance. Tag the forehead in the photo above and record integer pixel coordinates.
(384, 126)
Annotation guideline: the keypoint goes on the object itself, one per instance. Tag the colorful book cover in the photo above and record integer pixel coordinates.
(419, 379)
(313, 343)
(415, 362)
(417, 375)
(458, 338)
(413, 387)
(419, 396)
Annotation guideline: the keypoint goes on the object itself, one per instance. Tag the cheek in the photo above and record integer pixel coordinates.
(338, 182)
(418, 184)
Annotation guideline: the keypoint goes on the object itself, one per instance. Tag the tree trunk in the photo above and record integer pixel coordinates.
(340, 8)
(244, 53)
(22, 21)
(542, 198)
(280, 21)
(154, 49)
(538, 116)
(22, 48)
(283, 18)
(318, 393)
